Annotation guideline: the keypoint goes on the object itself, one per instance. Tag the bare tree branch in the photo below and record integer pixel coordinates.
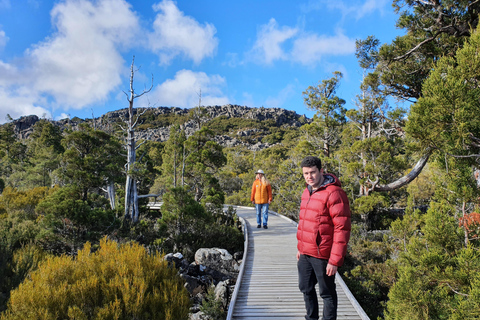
(407, 178)
(462, 294)
(138, 117)
(409, 52)
(149, 195)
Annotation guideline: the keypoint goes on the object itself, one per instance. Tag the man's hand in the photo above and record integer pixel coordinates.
(298, 255)
(331, 269)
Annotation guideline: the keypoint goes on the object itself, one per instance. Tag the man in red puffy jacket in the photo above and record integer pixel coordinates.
(323, 233)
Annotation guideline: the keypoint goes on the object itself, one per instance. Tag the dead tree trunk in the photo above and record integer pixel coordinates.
(110, 190)
(131, 194)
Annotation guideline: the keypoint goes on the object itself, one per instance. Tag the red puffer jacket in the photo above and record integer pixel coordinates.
(324, 226)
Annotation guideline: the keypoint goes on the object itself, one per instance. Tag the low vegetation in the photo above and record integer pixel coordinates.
(113, 282)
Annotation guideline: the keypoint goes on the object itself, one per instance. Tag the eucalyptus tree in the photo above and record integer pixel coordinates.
(91, 158)
(440, 260)
(372, 141)
(44, 148)
(13, 155)
(173, 162)
(446, 119)
(203, 158)
(323, 132)
(172, 168)
(434, 28)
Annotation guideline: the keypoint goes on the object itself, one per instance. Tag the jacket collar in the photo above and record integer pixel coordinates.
(327, 179)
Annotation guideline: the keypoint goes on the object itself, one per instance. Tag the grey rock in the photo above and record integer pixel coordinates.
(217, 259)
(221, 293)
(247, 137)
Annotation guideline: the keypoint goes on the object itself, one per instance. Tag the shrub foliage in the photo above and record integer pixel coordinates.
(115, 282)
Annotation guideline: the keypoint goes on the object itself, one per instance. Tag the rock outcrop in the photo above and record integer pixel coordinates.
(213, 267)
(248, 137)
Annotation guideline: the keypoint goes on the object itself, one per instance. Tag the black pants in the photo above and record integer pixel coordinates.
(310, 272)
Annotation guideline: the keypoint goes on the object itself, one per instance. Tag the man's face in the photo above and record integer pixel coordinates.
(313, 176)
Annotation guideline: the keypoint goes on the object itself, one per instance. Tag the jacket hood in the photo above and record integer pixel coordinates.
(328, 179)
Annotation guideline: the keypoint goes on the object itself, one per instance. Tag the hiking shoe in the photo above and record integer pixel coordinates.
(265, 227)
(259, 226)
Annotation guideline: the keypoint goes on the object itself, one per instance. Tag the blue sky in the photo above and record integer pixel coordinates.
(72, 58)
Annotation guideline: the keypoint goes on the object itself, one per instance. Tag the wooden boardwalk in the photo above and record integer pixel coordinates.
(267, 285)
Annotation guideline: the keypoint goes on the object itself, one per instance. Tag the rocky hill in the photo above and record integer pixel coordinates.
(233, 125)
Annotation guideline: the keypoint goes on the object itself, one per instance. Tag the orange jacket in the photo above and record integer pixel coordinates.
(261, 193)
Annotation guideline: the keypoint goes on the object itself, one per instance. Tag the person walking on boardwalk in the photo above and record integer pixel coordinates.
(261, 197)
(323, 233)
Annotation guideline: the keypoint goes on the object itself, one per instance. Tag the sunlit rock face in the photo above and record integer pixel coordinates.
(149, 129)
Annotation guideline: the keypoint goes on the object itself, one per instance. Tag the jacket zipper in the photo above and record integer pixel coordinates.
(318, 232)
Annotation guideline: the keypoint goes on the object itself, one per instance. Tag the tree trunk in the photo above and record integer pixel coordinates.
(111, 194)
(131, 196)
(407, 178)
(183, 166)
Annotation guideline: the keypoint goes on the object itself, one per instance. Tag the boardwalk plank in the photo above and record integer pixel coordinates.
(269, 283)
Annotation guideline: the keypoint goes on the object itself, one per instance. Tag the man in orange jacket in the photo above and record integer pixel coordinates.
(323, 233)
(261, 196)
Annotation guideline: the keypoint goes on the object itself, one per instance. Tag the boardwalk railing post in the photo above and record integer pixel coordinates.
(231, 306)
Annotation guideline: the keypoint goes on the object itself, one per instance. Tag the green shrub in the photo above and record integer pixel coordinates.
(187, 226)
(68, 221)
(115, 282)
(212, 307)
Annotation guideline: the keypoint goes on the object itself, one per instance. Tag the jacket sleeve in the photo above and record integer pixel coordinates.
(269, 190)
(339, 209)
(252, 196)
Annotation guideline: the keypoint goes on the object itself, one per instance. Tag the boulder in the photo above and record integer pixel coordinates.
(197, 316)
(194, 285)
(221, 293)
(217, 259)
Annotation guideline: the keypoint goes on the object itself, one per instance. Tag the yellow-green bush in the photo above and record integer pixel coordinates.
(14, 200)
(115, 282)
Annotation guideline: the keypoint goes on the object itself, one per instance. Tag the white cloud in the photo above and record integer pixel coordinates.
(176, 34)
(78, 65)
(247, 99)
(309, 49)
(283, 95)
(81, 63)
(357, 8)
(8, 74)
(370, 6)
(184, 89)
(63, 116)
(19, 103)
(267, 47)
(232, 60)
(3, 39)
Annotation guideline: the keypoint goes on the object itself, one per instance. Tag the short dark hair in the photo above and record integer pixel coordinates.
(312, 161)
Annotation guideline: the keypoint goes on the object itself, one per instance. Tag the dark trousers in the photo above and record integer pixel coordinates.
(310, 272)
